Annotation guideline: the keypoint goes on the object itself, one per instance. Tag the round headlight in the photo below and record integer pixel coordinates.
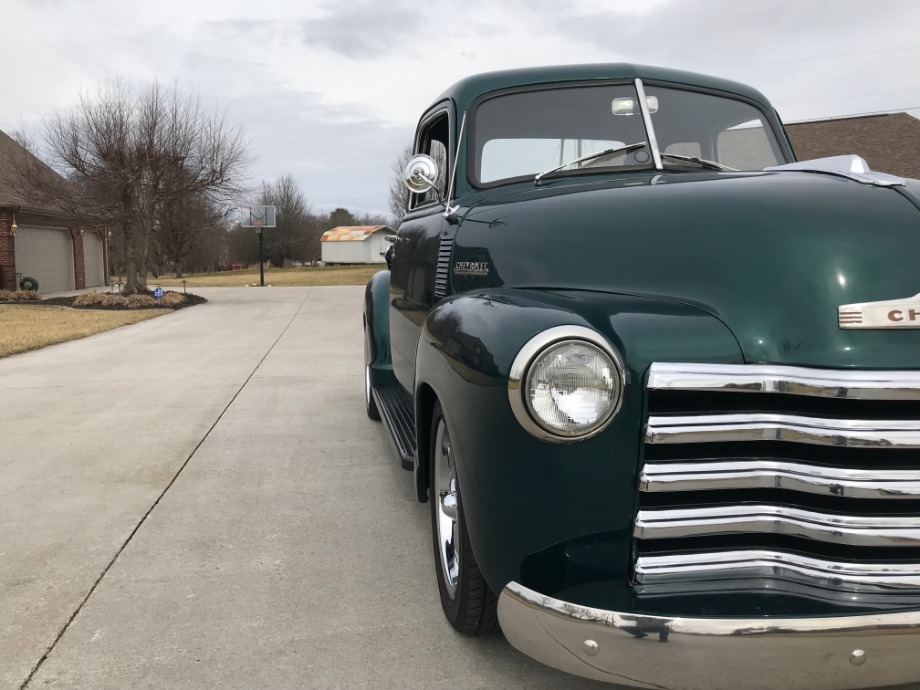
(566, 388)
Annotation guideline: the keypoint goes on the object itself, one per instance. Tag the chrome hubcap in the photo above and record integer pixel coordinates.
(447, 495)
(367, 385)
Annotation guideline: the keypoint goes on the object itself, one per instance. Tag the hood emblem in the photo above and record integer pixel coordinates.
(471, 268)
(893, 313)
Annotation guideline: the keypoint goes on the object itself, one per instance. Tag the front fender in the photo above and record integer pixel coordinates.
(377, 322)
(547, 515)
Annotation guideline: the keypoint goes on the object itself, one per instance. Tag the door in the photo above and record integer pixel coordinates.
(93, 260)
(45, 254)
(415, 252)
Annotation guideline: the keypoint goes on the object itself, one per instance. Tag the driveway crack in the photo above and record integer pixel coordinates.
(159, 498)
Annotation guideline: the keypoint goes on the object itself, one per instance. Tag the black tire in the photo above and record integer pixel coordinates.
(469, 605)
(28, 283)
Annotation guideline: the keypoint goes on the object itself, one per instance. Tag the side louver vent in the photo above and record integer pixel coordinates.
(442, 272)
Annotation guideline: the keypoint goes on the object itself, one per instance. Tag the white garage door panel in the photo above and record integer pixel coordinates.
(47, 256)
(92, 260)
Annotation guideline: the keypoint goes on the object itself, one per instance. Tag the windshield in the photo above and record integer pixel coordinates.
(525, 134)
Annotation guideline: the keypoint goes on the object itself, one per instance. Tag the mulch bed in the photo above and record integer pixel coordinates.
(190, 301)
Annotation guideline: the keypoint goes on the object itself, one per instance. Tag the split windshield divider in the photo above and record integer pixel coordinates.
(649, 127)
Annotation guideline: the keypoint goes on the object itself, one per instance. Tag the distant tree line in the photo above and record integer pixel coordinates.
(296, 239)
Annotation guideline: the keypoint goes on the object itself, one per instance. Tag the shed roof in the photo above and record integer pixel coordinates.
(352, 233)
(889, 142)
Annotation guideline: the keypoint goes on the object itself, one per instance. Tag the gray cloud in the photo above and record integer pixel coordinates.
(363, 30)
(720, 32)
(337, 124)
(810, 57)
(339, 157)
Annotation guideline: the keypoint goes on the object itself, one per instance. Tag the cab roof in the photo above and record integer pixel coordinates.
(465, 91)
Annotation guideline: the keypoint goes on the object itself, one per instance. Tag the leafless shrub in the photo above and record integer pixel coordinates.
(18, 295)
(92, 299)
(172, 299)
(140, 301)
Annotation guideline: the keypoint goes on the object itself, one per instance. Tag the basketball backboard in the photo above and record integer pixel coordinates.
(258, 217)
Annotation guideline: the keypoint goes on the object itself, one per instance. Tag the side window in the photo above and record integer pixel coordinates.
(745, 147)
(433, 141)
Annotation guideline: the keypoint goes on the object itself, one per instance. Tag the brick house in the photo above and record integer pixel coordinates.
(60, 250)
(889, 142)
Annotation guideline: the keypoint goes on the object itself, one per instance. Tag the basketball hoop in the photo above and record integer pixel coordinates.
(258, 217)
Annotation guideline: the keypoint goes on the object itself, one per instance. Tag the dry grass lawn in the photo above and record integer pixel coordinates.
(28, 327)
(279, 277)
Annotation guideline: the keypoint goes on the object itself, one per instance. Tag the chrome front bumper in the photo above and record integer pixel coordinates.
(835, 653)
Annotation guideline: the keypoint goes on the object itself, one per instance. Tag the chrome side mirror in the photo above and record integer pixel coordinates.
(421, 174)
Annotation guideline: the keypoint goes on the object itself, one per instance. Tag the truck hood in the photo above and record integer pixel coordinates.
(772, 255)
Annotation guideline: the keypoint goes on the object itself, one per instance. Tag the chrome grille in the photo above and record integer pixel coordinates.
(790, 476)
(442, 270)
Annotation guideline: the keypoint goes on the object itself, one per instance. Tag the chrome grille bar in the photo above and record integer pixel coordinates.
(752, 378)
(767, 473)
(711, 494)
(674, 523)
(701, 567)
(783, 427)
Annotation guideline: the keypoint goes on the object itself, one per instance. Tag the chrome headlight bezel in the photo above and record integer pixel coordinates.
(527, 356)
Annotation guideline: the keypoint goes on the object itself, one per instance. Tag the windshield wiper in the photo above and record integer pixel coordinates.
(702, 162)
(591, 157)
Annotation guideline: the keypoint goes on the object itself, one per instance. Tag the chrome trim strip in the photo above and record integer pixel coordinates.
(754, 378)
(448, 211)
(767, 473)
(850, 165)
(861, 598)
(902, 433)
(674, 523)
(823, 653)
(649, 127)
(529, 352)
(776, 564)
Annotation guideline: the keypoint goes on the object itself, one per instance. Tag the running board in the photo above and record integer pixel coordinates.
(398, 415)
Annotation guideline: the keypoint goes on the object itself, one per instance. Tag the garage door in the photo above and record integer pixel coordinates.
(47, 256)
(92, 260)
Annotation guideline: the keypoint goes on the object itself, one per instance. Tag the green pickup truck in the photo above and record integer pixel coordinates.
(658, 382)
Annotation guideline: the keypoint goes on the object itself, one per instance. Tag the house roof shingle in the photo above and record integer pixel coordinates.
(14, 159)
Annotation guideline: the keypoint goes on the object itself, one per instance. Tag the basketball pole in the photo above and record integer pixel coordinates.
(261, 261)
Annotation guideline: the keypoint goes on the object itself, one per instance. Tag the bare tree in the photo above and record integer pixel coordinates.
(188, 225)
(290, 239)
(126, 154)
(373, 219)
(399, 195)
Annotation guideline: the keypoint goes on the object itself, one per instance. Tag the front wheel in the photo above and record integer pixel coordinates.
(468, 603)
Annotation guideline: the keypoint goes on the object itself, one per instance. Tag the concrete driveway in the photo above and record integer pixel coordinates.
(199, 501)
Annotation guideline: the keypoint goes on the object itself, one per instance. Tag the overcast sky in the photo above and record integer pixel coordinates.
(330, 92)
